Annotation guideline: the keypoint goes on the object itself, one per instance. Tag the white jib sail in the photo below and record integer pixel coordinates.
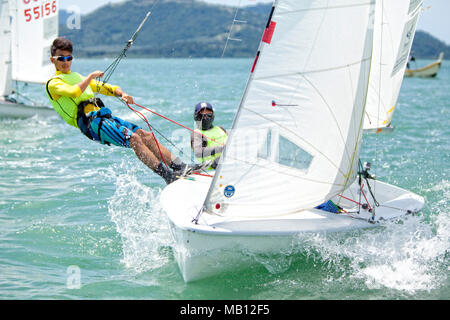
(395, 26)
(5, 50)
(34, 27)
(296, 137)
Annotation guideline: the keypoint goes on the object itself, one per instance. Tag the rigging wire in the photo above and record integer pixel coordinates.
(109, 71)
(379, 103)
(177, 123)
(153, 128)
(143, 117)
(113, 66)
(153, 134)
(231, 29)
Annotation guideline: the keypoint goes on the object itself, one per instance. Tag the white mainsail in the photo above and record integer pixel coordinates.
(296, 138)
(34, 27)
(5, 50)
(395, 26)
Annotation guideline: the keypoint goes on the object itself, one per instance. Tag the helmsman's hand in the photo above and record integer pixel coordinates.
(97, 74)
(128, 99)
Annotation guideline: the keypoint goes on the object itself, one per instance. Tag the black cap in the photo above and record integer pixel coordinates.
(203, 105)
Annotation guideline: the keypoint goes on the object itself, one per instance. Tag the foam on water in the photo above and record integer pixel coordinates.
(274, 263)
(141, 223)
(409, 255)
(60, 192)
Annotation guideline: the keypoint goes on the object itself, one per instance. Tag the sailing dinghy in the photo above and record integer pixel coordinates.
(429, 71)
(294, 145)
(27, 29)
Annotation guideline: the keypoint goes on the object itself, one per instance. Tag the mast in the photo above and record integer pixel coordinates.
(304, 105)
(207, 205)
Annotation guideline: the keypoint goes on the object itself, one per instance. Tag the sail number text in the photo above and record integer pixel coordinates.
(39, 11)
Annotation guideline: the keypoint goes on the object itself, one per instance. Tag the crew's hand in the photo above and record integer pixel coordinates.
(128, 99)
(97, 74)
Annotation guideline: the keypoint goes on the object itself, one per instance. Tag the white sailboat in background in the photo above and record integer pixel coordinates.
(395, 27)
(27, 30)
(5, 50)
(294, 145)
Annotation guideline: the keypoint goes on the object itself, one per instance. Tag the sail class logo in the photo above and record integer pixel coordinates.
(229, 191)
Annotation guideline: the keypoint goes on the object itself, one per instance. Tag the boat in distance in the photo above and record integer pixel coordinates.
(429, 71)
(9, 109)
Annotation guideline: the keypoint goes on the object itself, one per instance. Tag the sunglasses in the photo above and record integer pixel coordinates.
(201, 116)
(63, 58)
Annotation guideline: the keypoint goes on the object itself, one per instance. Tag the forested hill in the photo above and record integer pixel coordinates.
(187, 28)
(425, 46)
(176, 28)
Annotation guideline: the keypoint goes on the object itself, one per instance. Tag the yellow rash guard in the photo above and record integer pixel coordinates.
(58, 88)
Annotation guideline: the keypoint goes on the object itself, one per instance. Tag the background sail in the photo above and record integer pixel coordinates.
(34, 27)
(5, 50)
(395, 26)
(296, 137)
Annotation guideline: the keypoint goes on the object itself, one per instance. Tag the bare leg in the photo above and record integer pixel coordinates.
(143, 152)
(149, 141)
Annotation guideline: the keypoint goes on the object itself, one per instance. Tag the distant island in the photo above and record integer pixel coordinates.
(425, 46)
(187, 28)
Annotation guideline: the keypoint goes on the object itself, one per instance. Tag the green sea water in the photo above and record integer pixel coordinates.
(79, 220)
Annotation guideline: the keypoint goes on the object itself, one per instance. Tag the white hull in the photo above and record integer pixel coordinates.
(388, 129)
(217, 244)
(17, 110)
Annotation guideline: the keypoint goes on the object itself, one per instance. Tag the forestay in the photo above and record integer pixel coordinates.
(296, 137)
(34, 27)
(395, 26)
(5, 50)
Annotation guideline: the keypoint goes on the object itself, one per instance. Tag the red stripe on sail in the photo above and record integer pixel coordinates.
(255, 62)
(268, 32)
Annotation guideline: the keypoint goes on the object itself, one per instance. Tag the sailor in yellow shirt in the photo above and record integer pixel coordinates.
(72, 96)
(207, 140)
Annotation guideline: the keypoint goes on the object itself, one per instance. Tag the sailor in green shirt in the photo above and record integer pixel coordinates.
(207, 140)
(72, 96)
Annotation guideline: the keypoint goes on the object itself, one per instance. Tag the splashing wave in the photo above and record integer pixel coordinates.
(140, 221)
(410, 255)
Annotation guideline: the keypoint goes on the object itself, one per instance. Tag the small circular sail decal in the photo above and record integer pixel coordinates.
(229, 191)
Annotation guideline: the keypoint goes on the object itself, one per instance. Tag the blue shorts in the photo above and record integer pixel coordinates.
(112, 130)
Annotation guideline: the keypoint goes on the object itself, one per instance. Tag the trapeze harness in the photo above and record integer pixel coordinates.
(72, 110)
(84, 121)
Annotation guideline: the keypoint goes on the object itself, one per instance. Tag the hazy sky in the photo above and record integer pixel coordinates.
(433, 20)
